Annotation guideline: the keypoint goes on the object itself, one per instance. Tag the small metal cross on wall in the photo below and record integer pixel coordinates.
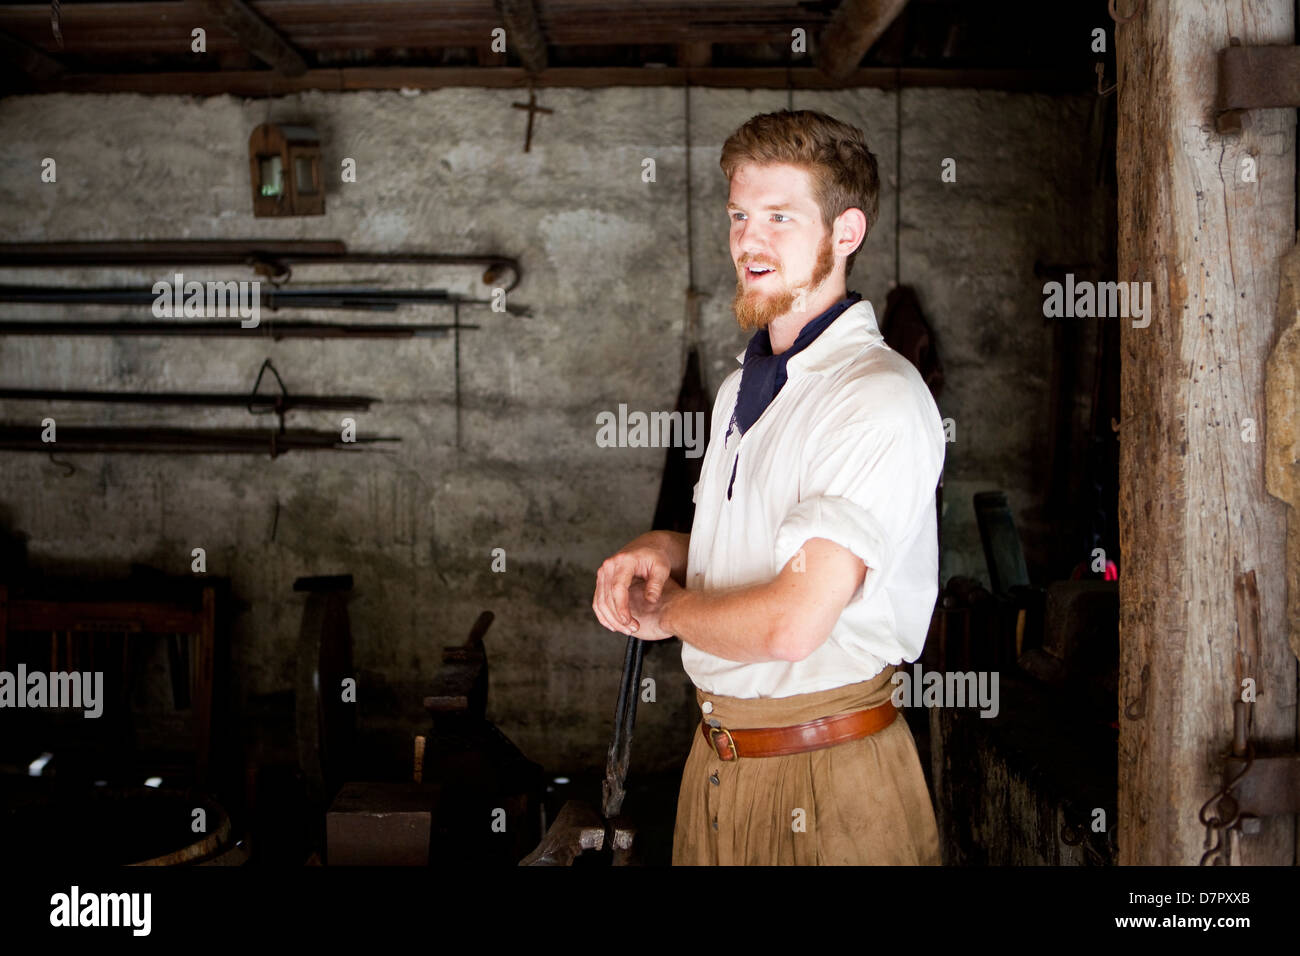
(533, 109)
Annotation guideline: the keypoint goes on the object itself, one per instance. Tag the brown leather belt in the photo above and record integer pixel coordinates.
(814, 735)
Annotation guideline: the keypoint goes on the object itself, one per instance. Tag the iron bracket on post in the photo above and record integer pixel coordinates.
(1255, 77)
(1254, 786)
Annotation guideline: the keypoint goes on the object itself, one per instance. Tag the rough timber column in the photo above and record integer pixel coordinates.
(1193, 509)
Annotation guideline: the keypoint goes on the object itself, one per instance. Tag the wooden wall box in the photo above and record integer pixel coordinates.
(284, 165)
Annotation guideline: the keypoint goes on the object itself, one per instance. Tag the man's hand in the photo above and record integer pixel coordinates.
(646, 614)
(643, 558)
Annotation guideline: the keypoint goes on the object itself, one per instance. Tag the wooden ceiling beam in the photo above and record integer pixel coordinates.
(126, 40)
(258, 83)
(126, 43)
(289, 15)
(257, 36)
(164, 27)
(853, 29)
(27, 59)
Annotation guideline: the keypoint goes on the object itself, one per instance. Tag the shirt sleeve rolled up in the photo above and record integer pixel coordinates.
(866, 487)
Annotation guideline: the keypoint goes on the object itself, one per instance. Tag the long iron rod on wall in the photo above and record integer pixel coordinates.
(265, 402)
(386, 300)
(267, 328)
(269, 257)
(76, 439)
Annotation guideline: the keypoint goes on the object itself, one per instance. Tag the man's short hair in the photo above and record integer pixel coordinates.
(843, 170)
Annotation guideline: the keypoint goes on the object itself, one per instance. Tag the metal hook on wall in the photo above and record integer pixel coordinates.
(70, 468)
(1114, 14)
(1101, 79)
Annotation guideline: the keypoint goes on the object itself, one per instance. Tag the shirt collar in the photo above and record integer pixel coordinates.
(849, 334)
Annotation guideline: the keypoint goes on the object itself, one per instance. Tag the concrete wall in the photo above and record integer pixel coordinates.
(604, 255)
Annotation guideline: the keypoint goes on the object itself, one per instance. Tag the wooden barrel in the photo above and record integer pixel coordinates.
(109, 826)
(205, 845)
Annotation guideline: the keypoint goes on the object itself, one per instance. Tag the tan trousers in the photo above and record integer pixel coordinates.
(860, 802)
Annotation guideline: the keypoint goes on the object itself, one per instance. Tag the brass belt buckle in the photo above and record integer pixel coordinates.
(714, 734)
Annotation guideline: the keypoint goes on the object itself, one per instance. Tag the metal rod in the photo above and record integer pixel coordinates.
(274, 298)
(456, 324)
(272, 256)
(163, 252)
(268, 298)
(74, 439)
(214, 399)
(490, 275)
(268, 328)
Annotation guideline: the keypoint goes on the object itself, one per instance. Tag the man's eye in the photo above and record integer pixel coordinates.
(779, 214)
(734, 215)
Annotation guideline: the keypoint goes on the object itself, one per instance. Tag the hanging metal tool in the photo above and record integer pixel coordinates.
(675, 510)
(620, 746)
(56, 22)
(176, 439)
(271, 258)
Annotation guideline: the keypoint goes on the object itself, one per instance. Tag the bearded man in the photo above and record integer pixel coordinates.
(811, 569)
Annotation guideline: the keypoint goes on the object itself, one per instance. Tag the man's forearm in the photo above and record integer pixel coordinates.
(736, 624)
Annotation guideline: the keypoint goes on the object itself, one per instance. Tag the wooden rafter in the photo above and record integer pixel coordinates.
(311, 26)
(27, 59)
(257, 82)
(257, 36)
(524, 37)
(853, 29)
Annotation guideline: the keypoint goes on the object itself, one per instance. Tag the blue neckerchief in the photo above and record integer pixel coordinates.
(764, 375)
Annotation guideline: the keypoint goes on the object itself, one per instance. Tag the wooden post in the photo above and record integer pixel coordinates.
(1283, 445)
(1205, 219)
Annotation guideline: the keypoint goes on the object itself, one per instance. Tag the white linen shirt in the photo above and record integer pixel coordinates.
(850, 450)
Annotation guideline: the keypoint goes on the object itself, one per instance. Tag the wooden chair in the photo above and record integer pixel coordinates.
(72, 626)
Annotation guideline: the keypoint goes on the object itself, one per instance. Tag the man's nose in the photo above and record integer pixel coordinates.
(753, 242)
(754, 233)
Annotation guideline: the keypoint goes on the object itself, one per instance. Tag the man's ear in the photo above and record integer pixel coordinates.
(850, 231)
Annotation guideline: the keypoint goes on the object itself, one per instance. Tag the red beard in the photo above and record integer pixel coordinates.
(756, 309)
